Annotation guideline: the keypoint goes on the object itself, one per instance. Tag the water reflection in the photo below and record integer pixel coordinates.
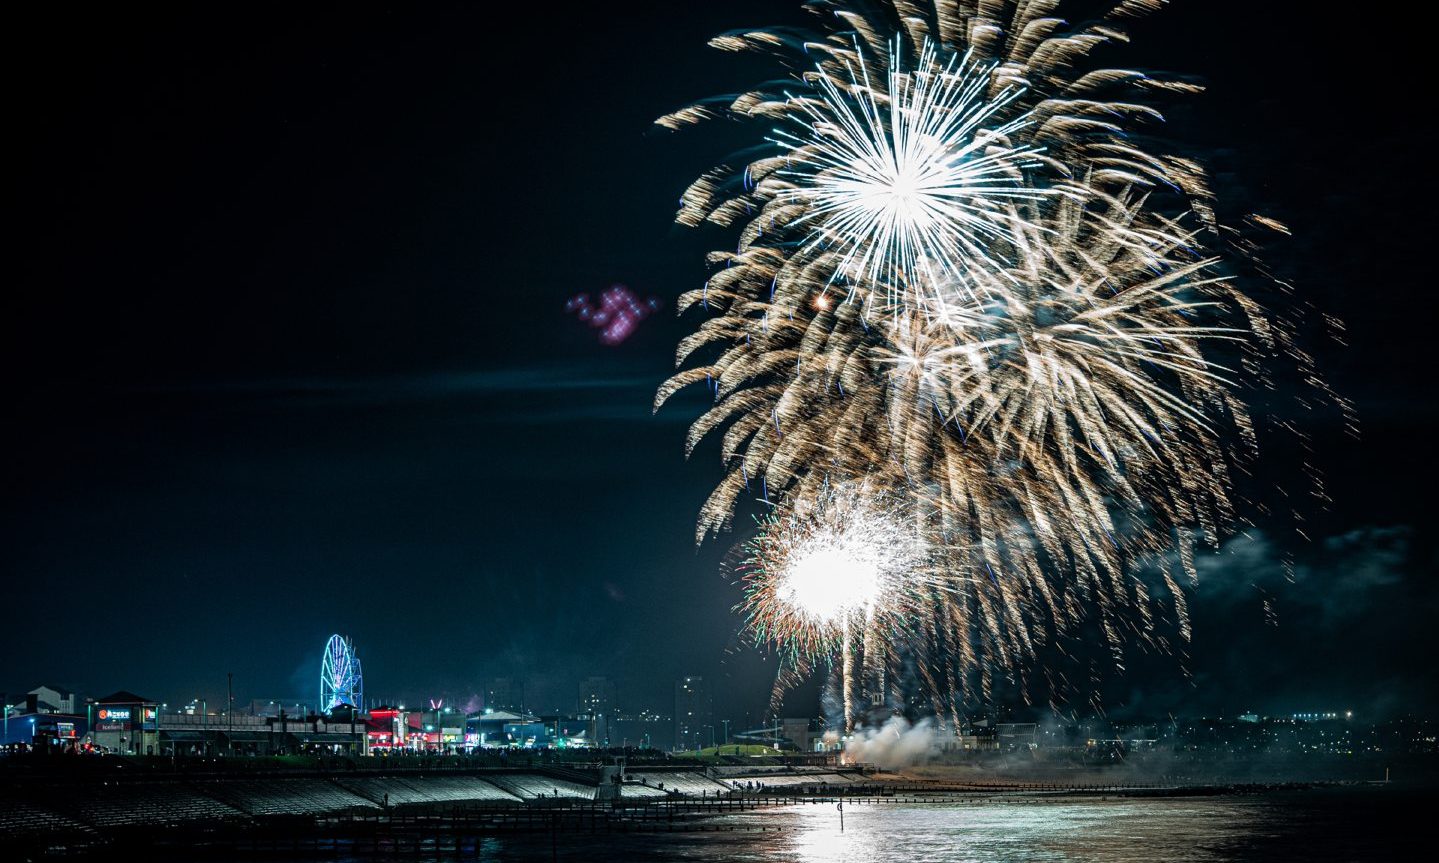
(1112, 831)
(1318, 826)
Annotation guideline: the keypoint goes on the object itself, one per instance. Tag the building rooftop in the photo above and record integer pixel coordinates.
(64, 693)
(123, 697)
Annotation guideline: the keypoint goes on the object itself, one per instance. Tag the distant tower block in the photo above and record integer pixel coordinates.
(340, 680)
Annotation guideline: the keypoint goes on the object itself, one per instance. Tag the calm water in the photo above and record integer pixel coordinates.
(1322, 825)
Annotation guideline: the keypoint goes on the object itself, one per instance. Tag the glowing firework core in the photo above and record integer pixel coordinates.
(850, 559)
(828, 583)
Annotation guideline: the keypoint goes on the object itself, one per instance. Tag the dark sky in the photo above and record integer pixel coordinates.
(286, 351)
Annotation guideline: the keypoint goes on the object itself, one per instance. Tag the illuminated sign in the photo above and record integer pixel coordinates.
(114, 714)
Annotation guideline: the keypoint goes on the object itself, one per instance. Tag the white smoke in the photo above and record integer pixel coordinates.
(893, 745)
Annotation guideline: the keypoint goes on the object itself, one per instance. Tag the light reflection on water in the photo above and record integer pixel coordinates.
(1074, 831)
(1321, 825)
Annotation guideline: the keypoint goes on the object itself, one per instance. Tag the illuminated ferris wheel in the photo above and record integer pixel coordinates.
(340, 681)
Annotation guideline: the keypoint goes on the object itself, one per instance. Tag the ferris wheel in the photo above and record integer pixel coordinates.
(340, 681)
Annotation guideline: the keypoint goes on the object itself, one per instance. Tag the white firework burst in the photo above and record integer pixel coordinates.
(910, 181)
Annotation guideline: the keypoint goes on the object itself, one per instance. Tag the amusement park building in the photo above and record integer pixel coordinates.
(243, 734)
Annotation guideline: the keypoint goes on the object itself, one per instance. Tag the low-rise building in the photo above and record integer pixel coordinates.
(185, 734)
(55, 699)
(126, 723)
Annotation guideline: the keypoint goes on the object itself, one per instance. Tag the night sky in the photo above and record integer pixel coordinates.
(287, 355)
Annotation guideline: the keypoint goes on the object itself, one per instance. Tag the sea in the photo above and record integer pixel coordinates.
(1315, 826)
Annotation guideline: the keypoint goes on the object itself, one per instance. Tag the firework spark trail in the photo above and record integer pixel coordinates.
(1038, 353)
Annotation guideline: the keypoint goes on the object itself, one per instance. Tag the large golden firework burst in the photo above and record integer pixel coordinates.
(959, 279)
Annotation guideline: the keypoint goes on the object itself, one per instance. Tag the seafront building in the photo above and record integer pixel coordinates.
(53, 717)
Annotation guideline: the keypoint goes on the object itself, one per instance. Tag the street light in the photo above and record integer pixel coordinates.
(204, 725)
